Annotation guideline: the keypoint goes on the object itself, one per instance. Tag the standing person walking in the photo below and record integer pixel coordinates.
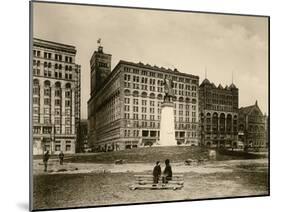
(156, 172)
(45, 160)
(167, 172)
(61, 156)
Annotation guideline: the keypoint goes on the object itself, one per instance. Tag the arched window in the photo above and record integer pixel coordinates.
(67, 93)
(144, 94)
(35, 87)
(57, 89)
(228, 123)
(194, 101)
(127, 92)
(35, 82)
(135, 93)
(222, 122)
(215, 122)
(202, 118)
(47, 83)
(57, 84)
(208, 121)
(235, 123)
(47, 88)
(152, 96)
(67, 85)
(159, 96)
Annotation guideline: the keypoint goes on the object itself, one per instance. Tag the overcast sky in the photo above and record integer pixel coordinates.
(190, 42)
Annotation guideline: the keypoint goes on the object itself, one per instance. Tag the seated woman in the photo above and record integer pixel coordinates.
(167, 174)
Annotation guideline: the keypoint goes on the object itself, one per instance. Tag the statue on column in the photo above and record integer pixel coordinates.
(168, 89)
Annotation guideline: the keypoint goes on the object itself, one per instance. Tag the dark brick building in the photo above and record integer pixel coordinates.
(218, 108)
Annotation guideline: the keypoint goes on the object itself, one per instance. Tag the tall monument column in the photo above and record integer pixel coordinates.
(167, 121)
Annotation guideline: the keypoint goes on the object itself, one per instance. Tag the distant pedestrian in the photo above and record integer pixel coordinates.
(45, 160)
(167, 174)
(61, 156)
(156, 172)
(212, 154)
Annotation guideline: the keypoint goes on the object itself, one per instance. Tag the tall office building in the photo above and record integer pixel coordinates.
(124, 109)
(56, 97)
(218, 114)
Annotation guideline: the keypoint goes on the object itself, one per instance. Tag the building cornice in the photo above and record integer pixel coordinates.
(54, 45)
(159, 69)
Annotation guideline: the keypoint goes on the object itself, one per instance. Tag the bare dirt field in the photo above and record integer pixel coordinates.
(93, 184)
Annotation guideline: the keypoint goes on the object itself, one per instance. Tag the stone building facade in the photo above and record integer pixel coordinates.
(253, 126)
(55, 97)
(218, 114)
(124, 109)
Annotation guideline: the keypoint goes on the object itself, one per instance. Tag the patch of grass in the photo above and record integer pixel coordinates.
(152, 154)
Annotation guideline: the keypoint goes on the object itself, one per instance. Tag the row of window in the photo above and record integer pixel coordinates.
(137, 79)
(135, 93)
(159, 75)
(49, 65)
(178, 125)
(58, 147)
(216, 130)
(151, 117)
(104, 65)
(135, 133)
(221, 108)
(58, 120)
(152, 110)
(47, 101)
(221, 101)
(47, 120)
(56, 74)
(49, 55)
(219, 96)
(47, 111)
(47, 83)
(127, 133)
(47, 92)
(152, 103)
(159, 89)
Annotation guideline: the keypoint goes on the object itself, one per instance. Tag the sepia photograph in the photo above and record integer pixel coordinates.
(144, 105)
